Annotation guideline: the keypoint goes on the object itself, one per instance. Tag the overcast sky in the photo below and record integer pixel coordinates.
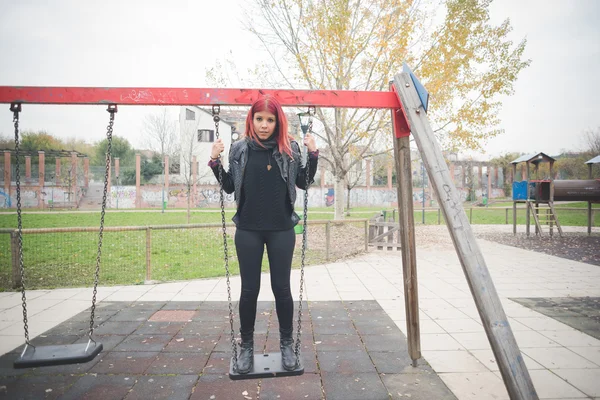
(150, 43)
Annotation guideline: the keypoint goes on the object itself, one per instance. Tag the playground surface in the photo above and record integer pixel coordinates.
(353, 342)
(574, 245)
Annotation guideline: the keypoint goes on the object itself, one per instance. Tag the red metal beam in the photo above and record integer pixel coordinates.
(399, 121)
(194, 96)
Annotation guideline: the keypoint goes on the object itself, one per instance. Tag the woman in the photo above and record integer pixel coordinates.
(264, 170)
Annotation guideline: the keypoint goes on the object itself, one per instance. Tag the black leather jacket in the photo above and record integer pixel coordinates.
(296, 173)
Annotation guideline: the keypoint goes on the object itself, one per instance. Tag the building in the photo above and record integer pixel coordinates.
(197, 135)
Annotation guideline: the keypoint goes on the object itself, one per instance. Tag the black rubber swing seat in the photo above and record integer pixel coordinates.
(265, 366)
(43, 356)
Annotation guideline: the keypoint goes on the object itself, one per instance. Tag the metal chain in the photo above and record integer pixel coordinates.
(303, 256)
(215, 111)
(16, 109)
(112, 109)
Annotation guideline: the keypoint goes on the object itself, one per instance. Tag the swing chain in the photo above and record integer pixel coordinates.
(215, 111)
(112, 109)
(16, 109)
(311, 110)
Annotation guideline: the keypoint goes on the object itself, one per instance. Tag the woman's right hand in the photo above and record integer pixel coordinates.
(217, 148)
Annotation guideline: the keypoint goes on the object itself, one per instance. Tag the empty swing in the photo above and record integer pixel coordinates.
(39, 356)
(270, 364)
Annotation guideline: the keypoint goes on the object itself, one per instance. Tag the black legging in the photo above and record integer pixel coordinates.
(280, 249)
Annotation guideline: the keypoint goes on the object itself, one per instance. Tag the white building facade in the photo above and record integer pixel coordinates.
(198, 133)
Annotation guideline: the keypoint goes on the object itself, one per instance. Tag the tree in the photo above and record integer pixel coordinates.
(591, 139)
(465, 63)
(353, 178)
(504, 162)
(162, 134)
(7, 142)
(120, 148)
(41, 140)
(572, 166)
(189, 146)
(470, 181)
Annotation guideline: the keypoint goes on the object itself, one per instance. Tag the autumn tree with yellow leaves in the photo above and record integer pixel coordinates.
(464, 61)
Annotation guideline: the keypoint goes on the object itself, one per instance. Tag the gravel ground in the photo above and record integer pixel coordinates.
(574, 245)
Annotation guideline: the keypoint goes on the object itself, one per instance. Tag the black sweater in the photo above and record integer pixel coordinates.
(264, 205)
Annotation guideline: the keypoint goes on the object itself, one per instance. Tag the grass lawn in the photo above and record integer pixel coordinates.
(69, 258)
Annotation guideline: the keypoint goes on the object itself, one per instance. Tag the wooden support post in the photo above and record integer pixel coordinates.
(366, 235)
(16, 267)
(590, 215)
(508, 356)
(327, 239)
(148, 254)
(407, 241)
(527, 218)
(379, 230)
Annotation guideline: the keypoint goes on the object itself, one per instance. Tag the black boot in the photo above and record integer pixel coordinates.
(245, 360)
(288, 357)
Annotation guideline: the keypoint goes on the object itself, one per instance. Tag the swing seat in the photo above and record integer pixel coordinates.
(42, 356)
(265, 366)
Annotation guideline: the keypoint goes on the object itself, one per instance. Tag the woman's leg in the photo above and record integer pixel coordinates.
(280, 249)
(250, 248)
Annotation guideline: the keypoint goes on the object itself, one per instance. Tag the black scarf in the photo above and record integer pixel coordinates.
(270, 144)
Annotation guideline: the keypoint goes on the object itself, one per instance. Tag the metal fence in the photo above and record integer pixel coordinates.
(66, 257)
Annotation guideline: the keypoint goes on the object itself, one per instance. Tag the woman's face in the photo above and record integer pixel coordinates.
(264, 124)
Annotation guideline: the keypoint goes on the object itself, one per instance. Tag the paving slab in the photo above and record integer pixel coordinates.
(36, 387)
(152, 387)
(99, 387)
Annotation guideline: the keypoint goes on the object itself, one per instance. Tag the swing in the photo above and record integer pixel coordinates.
(39, 356)
(267, 365)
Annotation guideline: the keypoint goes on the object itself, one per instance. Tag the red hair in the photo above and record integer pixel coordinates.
(270, 104)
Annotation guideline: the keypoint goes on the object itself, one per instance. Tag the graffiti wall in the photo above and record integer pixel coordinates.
(54, 195)
(122, 197)
(175, 197)
(359, 197)
(5, 200)
(209, 196)
(29, 196)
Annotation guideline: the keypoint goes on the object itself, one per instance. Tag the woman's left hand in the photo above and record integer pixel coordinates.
(310, 143)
